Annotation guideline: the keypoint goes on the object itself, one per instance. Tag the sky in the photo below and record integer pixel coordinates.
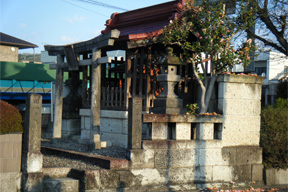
(59, 22)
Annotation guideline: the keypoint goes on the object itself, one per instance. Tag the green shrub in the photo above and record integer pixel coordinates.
(10, 118)
(274, 135)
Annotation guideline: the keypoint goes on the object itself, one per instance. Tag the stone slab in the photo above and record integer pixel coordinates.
(61, 185)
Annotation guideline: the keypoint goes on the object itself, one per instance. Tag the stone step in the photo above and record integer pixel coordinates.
(101, 161)
(60, 185)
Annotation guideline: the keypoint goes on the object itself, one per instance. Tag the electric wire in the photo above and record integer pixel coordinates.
(102, 4)
(85, 8)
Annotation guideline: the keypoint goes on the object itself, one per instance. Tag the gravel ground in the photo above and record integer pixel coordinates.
(53, 161)
(72, 145)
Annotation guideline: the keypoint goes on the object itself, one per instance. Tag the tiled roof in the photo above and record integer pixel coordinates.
(13, 41)
(146, 22)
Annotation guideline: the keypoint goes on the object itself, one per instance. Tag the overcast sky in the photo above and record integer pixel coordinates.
(59, 22)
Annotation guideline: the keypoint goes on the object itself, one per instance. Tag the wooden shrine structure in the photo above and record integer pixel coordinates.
(108, 82)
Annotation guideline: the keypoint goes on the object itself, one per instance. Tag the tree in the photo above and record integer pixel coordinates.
(208, 29)
(271, 18)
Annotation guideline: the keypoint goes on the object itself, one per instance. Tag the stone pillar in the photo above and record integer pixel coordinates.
(239, 100)
(32, 159)
(135, 123)
(58, 98)
(95, 99)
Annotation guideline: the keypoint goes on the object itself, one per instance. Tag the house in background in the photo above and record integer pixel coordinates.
(10, 45)
(18, 79)
(272, 65)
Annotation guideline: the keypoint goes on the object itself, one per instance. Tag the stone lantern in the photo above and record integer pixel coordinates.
(168, 102)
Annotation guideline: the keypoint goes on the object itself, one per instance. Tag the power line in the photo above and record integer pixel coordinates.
(85, 8)
(102, 4)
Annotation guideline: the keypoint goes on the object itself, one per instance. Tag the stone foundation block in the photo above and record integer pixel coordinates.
(61, 185)
(175, 158)
(159, 131)
(257, 173)
(182, 131)
(240, 138)
(34, 162)
(142, 158)
(276, 177)
(205, 131)
(32, 182)
(222, 173)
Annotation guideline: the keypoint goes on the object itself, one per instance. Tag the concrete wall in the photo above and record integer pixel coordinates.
(207, 161)
(8, 53)
(113, 127)
(10, 162)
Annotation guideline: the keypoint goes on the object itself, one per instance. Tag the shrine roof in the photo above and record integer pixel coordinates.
(146, 22)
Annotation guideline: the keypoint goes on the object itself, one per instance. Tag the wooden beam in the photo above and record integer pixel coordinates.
(142, 43)
(99, 42)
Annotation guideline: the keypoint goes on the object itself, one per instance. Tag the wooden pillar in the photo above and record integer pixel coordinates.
(95, 95)
(148, 78)
(128, 79)
(58, 98)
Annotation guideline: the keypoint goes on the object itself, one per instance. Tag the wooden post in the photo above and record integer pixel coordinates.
(58, 98)
(96, 95)
(135, 123)
(128, 79)
(148, 78)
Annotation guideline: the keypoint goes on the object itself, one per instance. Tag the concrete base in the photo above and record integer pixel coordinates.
(276, 177)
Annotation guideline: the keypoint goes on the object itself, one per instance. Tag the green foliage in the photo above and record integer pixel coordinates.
(213, 31)
(274, 135)
(10, 118)
(191, 108)
(207, 29)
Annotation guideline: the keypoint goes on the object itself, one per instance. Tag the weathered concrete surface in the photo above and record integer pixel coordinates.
(61, 185)
(113, 127)
(10, 181)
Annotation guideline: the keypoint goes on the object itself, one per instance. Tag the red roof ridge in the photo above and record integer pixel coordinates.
(145, 22)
